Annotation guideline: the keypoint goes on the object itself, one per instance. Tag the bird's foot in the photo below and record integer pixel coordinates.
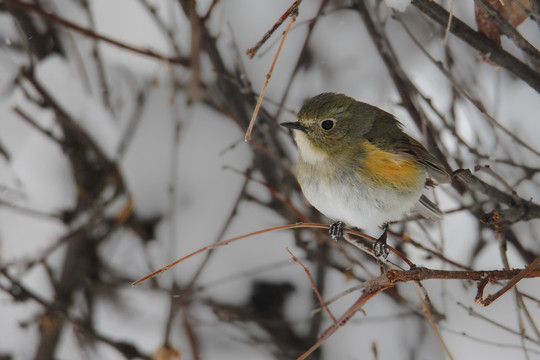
(379, 247)
(336, 230)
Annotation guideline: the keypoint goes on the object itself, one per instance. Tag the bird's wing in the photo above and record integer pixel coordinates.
(425, 207)
(417, 152)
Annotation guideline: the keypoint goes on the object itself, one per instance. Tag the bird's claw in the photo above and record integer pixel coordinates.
(336, 230)
(379, 247)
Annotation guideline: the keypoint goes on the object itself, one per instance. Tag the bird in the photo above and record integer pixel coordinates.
(357, 166)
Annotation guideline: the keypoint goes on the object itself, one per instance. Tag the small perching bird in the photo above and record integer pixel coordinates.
(357, 166)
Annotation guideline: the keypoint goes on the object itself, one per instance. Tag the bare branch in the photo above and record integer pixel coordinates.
(480, 42)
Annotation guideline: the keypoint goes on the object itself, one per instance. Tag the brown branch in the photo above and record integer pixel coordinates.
(134, 122)
(196, 26)
(178, 60)
(300, 59)
(28, 119)
(520, 209)
(224, 228)
(502, 326)
(426, 306)
(324, 305)
(93, 172)
(521, 275)
(292, 10)
(268, 76)
(474, 183)
(4, 152)
(509, 31)
(168, 33)
(429, 251)
(191, 334)
(393, 277)
(475, 102)
(480, 42)
(367, 249)
(98, 59)
(39, 42)
(222, 243)
(278, 195)
(19, 292)
(535, 5)
(210, 9)
(92, 168)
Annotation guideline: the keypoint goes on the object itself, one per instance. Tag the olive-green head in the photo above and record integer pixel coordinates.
(331, 123)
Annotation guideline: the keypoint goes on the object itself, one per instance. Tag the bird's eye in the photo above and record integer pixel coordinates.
(327, 124)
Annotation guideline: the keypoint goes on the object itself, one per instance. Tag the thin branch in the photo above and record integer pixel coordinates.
(269, 75)
(134, 121)
(517, 278)
(278, 195)
(509, 31)
(429, 317)
(298, 64)
(480, 42)
(520, 209)
(224, 228)
(313, 285)
(103, 87)
(505, 327)
(24, 116)
(392, 277)
(178, 60)
(20, 293)
(169, 34)
(291, 11)
(475, 102)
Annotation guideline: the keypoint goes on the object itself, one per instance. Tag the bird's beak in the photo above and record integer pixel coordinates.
(294, 126)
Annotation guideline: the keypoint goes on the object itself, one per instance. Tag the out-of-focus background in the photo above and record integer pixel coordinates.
(122, 149)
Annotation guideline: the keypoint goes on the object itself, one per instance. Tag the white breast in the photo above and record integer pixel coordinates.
(308, 152)
(356, 203)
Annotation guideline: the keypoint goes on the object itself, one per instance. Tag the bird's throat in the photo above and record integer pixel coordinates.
(310, 153)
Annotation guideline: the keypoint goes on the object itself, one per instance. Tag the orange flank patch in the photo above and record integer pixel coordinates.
(384, 168)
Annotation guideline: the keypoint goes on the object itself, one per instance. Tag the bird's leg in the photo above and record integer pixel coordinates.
(336, 230)
(379, 246)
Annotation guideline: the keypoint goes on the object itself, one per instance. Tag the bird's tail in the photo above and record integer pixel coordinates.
(428, 209)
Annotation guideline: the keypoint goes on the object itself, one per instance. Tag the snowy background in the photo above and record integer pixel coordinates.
(115, 163)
